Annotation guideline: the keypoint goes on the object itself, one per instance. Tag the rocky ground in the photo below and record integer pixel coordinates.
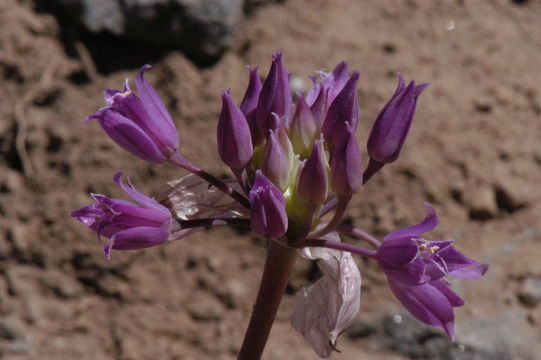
(474, 152)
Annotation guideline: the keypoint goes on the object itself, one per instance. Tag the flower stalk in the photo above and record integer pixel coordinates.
(278, 266)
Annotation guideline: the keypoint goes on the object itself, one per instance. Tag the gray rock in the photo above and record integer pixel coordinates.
(201, 28)
(530, 292)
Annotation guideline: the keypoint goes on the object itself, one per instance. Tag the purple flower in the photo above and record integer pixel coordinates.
(415, 269)
(344, 109)
(313, 182)
(142, 125)
(347, 166)
(393, 122)
(275, 97)
(276, 163)
(248, 106)
(303, 128)
(234, 138)
(127, 225)
(268, 208)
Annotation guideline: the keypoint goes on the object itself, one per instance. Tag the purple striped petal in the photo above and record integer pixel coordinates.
(428, 304)
(430, 222)
(166, 129)
(139, 197)
(136, 238)
(128, 135)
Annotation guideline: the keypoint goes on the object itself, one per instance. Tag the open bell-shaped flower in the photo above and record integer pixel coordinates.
(268, 208)
(127, 225)
(415, 270)
(234, 138)
(142, 125)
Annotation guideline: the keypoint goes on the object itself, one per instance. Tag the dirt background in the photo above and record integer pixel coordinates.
(474, 152)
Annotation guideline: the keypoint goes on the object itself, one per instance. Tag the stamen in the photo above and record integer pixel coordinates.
(422, 247)
(433, 249)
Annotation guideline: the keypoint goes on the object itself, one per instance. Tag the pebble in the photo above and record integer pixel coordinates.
(8, 330)
(205, 309)
(61, 284)
(233, 293)
(482, 203)
(530, 292)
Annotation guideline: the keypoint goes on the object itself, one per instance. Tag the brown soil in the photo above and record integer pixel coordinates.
(474, 152)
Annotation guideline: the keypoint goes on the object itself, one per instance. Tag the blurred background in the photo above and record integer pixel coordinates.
(474, 152)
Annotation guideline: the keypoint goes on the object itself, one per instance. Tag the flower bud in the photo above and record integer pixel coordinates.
(393, 123)
(248, 106)
(319, 108)
(275, 96)
(335, 80)
(141, 126)
(344, 108)
(347, 166)
(276, 163)
(312, 184)
(268, 208)
(234, 138)
(302, 130)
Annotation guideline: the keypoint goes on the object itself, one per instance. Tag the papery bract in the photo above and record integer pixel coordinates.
(191, 198)
(326, 308)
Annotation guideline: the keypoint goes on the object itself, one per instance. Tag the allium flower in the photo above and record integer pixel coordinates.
(234, 139)
(416, 268)
(392, 125)
(296, 168)
(142, 125)
(127, 225)
(268, 210)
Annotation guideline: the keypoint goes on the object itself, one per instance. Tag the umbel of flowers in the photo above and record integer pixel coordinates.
(296, 166)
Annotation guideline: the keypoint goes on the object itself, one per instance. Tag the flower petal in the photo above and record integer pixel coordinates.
(430, 222)
(156, 109)
(428, 304)
(136, 238)
(139, 197)
(128, 135)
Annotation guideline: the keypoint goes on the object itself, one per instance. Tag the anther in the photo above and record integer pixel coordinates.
(422, 247)
(433, 249)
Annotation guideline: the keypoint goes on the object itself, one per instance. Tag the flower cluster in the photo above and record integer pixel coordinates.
(296, 164)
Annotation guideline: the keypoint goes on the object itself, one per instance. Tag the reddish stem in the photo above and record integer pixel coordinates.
(278, 266)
